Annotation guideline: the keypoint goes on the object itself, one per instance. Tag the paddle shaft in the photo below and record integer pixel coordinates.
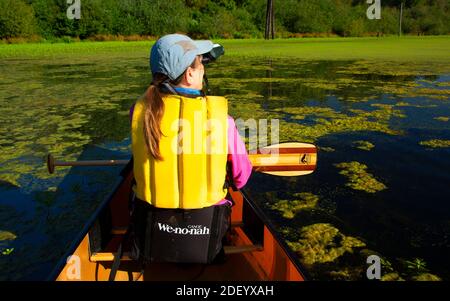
(92, 163)
(283, 159)
(51, 163)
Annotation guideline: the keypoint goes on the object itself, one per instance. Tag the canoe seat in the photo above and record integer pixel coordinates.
(111, 249)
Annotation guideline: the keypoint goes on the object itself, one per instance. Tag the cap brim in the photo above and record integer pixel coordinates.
(204, 46)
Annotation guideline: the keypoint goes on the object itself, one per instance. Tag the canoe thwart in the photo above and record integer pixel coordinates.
(242, 249)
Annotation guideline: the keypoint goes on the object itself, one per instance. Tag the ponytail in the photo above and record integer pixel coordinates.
(154, 111)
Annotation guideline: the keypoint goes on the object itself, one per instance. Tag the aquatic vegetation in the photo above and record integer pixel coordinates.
(359, 178)
(442, 84)
(435, 143)
(6, 235)
(379, 69)
(60, 118)
(326, 149)
(406, 104)
(77, 96)
(355, 99)
(329, 121)
(346, 274)
(411, 91)
(426, 277)
(417, 265)
(386, 265)
(303, 201)
(7, 251)
(442, 118)
(392, 277)
(5, 238)
(321, 243)
(363, 145)
(417, 49)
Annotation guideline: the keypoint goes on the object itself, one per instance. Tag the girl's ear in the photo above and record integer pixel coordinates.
(189, 76)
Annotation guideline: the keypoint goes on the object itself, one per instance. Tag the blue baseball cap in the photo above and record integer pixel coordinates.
(172, 54)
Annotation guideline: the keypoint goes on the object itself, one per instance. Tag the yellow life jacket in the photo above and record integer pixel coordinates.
(194, 147)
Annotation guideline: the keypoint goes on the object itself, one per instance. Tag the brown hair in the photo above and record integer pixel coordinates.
(154, 110)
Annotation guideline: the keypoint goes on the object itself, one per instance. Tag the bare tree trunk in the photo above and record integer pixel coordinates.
(266, 34)
(270, 21)
(400, 21)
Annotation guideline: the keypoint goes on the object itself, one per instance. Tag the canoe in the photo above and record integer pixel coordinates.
(255, 251)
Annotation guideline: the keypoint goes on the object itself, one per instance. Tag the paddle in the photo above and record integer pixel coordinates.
(285, 159)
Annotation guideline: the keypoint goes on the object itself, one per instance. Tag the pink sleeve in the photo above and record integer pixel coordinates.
(240, 164)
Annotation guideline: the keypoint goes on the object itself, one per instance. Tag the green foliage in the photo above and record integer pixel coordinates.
(221, 18)
(16, 19)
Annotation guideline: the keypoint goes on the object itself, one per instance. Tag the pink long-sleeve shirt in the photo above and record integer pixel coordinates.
(237, 154)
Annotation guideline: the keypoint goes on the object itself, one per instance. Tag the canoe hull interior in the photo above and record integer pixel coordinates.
(255, 252)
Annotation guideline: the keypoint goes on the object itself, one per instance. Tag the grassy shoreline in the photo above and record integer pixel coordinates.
(407, 48)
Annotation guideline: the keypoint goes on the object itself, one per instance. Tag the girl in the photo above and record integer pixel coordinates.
(186, 152)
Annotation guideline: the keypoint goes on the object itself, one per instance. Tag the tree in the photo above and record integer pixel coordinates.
(16, 19)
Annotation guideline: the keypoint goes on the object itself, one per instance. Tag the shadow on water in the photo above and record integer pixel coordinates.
(47, 222)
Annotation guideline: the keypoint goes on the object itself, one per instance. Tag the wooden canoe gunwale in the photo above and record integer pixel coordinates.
(267, 223)
(91, 221)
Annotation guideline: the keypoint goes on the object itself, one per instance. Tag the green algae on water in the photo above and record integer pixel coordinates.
(321, 243)
(326, 149)
(359, 178)
(328, 121)
(391, 277)
(442, 118)
(5, 238)
(435, 143)
(6, 235)
(426, 277)
(303, 201)
(363, 145)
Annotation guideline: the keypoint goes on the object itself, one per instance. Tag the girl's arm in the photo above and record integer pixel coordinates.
(237, 153)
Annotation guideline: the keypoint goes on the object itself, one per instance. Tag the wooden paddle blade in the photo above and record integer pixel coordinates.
(285, 159)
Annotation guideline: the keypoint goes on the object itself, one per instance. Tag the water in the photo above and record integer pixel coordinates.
(79, 111)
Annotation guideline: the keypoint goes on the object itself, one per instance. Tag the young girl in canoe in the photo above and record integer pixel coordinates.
(186, 152)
